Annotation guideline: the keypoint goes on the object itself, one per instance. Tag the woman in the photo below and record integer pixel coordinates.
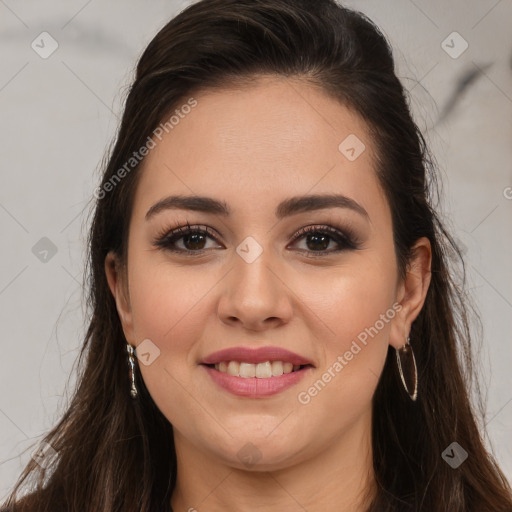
(274, 322)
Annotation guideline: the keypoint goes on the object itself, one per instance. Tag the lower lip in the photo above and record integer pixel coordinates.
(254, 387)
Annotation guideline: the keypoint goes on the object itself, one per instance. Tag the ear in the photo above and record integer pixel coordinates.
(117, 282)
(412, 292)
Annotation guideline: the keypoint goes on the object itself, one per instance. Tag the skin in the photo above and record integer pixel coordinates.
(315, 455)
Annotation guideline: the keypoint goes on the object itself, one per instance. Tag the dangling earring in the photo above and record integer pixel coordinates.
(131, 364)
(407, 368)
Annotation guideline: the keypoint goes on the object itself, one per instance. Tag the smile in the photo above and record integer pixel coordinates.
(256, 380)
(262, 370)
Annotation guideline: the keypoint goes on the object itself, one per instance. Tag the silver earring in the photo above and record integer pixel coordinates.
(408, 370)
(131, 364)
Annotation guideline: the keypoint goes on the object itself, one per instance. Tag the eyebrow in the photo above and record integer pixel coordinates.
(290, 206)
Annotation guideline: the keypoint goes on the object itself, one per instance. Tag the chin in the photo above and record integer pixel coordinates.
(258, 452)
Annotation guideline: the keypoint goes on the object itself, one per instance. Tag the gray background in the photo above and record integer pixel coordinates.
(60, 113)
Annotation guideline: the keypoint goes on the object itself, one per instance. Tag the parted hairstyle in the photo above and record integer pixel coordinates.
(115, 454)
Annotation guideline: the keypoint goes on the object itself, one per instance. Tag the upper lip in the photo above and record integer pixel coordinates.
(255, 355)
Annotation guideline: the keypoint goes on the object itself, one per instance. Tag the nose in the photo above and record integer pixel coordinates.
(254, 295)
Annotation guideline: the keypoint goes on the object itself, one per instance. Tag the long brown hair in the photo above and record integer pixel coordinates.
(115, 454)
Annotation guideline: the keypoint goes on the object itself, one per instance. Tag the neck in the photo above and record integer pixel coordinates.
(340, 478)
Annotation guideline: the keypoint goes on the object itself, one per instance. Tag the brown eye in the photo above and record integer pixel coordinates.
(193, 240)
(319, 238)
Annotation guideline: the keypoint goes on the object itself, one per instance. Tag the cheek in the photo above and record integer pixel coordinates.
(166, 302)
(168, 306)
(350, 300)
(355, 317)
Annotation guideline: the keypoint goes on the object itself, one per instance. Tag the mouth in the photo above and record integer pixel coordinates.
(262, 370)
(256, 372)
(256, 380)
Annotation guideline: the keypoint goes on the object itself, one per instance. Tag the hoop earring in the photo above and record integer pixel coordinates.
(131, 364)
(408, 370)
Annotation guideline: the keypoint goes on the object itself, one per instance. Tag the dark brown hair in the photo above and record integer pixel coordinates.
(115, 454)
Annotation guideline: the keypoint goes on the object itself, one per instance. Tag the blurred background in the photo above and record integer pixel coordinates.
(64, 72)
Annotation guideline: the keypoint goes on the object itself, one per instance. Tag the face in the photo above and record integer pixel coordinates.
(253, 279)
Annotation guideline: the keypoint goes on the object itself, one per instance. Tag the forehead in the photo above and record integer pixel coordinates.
(254, 145)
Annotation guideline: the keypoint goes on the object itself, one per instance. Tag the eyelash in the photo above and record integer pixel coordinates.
(347, 240)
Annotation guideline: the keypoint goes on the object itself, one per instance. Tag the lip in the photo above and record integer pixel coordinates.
(253, 387)
(256, 355)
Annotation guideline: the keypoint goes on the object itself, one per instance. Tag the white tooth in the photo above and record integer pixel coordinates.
(277, 368)
(247, 370)
(264, 370)
(234, 368)
(287, 367)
